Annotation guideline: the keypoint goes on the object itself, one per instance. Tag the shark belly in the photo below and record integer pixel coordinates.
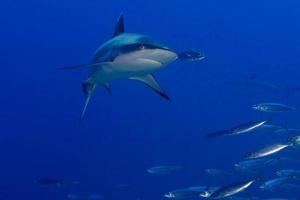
(135, 64)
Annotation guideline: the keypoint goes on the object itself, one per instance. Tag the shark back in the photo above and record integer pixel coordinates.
(122, 44)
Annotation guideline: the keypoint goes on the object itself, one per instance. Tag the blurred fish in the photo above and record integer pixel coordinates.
(273, 107)
(267, 151)
(186, 193)
(294, 141)
(161, 170)
(254, 164)
(49, 182)
(270, 127)
(208, 192)
(240, 129)
(197, 188)
(216, 172)
(273, 183)
(286, 131)
(231, 190)
(288, 173)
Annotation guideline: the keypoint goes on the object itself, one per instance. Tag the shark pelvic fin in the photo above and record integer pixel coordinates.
(150, 81)
(88, 89)
(120, 28)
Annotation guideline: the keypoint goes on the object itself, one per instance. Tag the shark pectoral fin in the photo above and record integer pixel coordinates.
(190, 56)
(88, 89)
(87, 66)
(152, 83)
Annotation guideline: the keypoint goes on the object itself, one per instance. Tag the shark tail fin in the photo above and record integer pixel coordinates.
(88, 89)
(190, 56)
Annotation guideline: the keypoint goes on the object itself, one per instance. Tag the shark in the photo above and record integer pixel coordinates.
(128, 56)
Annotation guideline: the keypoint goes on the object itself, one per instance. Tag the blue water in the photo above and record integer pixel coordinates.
(131, 129)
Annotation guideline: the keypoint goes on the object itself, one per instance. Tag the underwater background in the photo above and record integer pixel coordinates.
(131, 129)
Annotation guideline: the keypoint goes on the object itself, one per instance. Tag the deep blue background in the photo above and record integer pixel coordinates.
(132, 128)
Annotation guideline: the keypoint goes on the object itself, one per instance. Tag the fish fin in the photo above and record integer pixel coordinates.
(88, 89)
(190, 56)
(120, 28)
(107, 87)
(86, 66)
(150, 81)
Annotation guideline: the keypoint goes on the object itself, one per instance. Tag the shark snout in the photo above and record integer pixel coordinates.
(160, 55)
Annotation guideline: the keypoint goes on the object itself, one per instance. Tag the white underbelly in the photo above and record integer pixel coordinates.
(122, 70)
(137, 63)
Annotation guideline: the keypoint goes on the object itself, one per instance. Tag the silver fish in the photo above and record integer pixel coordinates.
(186, 193)
(249, 165)
(160, 170)
(273, 183)
(267, 151)
(288, 173)
(273, 107)
(237, 130)
(231, 190)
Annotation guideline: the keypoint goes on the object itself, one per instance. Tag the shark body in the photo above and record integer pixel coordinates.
(129, 56)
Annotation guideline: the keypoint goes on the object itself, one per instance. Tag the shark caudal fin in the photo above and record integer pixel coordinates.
(120, 28)
(88, 89)
(190, 56)
(150, 81)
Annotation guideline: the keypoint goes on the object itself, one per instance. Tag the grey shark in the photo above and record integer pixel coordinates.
(129, 56)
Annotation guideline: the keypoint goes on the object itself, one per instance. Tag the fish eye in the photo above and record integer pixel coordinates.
(142, 47)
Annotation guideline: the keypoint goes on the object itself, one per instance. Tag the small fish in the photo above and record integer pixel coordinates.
(187, 193)
(273, 107)
(286, 131)
(294, 141)
(161, 170)
(267, 151)
(288, 173)
(273, 183)
(216, 172)
(231, 190)
(49, 182)
(237, 130)
(191, 55)
(208, 192)
(249, 165)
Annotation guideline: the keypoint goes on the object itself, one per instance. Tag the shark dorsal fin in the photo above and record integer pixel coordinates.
(120, 26)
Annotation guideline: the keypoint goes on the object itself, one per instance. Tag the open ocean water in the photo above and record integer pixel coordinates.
(251, 51)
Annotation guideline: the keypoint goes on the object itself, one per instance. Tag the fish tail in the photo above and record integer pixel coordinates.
(88, 89)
